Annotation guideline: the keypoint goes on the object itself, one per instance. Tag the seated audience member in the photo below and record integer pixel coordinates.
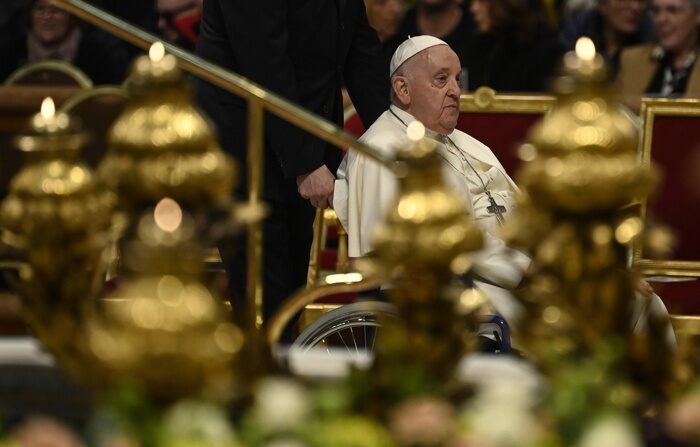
(53, 34)
(425, 82)
(448, 20)
(668, 68)
(515, 48)
(425, 86)
(612, 26)
(178, 21)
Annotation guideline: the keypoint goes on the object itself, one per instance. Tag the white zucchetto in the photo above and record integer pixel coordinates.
(409, 48)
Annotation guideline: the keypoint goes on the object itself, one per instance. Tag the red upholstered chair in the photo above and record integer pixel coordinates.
(353, 124)
(329, 250)
(330, 241)
(502, 121)
(671, 139)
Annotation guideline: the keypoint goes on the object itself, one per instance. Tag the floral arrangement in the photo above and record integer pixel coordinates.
(584, 407)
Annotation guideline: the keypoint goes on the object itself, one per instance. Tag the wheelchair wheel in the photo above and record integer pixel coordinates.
(352, 327)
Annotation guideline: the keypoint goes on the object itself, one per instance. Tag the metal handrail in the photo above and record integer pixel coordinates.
(259, 100)
(229, 81)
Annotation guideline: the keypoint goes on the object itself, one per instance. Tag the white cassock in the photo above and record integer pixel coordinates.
(365, 190)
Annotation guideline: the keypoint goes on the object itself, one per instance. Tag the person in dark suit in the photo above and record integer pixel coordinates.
(305, 51)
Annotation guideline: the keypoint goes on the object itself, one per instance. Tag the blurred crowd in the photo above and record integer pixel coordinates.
(35, 30)
(508, 45)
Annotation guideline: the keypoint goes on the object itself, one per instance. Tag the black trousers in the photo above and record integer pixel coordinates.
(287, 236)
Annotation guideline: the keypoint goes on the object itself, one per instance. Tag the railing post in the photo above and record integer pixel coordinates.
(256, 158)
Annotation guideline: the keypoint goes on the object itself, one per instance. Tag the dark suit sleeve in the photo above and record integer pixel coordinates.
(366, 74)
(258, 35)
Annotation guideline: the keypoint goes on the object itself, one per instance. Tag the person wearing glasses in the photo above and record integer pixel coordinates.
(52, 34)
(667, 68)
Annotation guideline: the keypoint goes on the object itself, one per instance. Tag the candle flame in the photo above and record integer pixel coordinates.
(48, 108)
(585, 49)
(168, 215)
(415, 130)
(157, 52)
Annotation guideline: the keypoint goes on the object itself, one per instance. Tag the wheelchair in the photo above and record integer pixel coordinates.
(354, 328)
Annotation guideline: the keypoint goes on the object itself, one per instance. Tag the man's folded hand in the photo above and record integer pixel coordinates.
(317, 186)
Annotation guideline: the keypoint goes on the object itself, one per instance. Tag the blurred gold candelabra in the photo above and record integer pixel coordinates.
(581, 176)
(58, 218)
(422, 246)
(162, 325)
(161, 146)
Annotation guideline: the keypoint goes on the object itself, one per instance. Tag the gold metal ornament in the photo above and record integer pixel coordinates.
(161, 146)
(163, 327)
(576, 219)
(584, 154)
(427, 231)
(58, 217)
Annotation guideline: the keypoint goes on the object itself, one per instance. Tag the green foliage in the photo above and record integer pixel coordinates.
(585, 388)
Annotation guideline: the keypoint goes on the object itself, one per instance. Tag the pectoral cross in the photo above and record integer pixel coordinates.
(495, 208)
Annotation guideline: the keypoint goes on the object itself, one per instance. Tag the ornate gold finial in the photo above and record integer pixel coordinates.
(429, 226)
(163, 327)
(581, 174)
(161, 146)
(426, 233)
(58, 218)
(583, 157)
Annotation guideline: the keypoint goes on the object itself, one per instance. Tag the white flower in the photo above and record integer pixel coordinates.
(611, 431)
(281, 405)
(501, 416)
(198, 421)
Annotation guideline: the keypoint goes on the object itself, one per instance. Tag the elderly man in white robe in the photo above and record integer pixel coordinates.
(425, 83)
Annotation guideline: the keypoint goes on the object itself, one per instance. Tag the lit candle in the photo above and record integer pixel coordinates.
(585, 49)
(157, 65)
(48, 109)
(585, 62)
(47, 120)
(168, 215)
(156, 53)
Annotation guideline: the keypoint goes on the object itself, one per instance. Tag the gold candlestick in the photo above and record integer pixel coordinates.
(581, 175)
(161, 146)
(163, 327)
(57, 216)
(423, 243)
